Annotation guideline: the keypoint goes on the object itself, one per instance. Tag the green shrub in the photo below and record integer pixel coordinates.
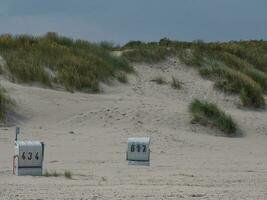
(209, 114)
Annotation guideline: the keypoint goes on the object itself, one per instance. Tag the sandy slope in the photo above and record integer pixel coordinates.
(186, 162)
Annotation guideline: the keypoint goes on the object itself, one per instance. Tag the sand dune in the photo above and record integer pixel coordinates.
(87, 134)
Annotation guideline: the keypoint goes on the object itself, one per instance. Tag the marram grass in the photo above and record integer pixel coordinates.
(208, 114)
(53, 59)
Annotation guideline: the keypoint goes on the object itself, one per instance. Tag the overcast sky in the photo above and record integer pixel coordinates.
(123, 20)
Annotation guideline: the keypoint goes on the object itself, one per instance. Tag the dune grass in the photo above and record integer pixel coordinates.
(176, 84)
(51, 174)
(80, 65)
(53, 59)
(230, 80)
(160, 80)
(191, 57)
(122, 77)
(254, 52)
(234, 53)
(239, 67)
(208, 114)
(258, 76)
(67, 174)
(147, 54)
(234, 62)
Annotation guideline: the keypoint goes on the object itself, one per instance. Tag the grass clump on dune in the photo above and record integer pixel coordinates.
(53, 59)
(122, 77)
(176, 84)
(234, 62)
(159, 80)
(258, 76)
(230, 80)
(51, 174)
(67, 174)
(254, 52)
(209, 114)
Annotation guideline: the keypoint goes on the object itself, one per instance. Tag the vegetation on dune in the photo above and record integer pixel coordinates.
(122, 77)
(254, 52)
(239, 67)
(258, 76)
(50, 60)
(231, 80)
(53, 59)
(51, 174)
(245, 67)
(151, 52)
(208, 114)
(176, 84)
(67, 174)
(148, 54)
(193, 57)
(159, 80)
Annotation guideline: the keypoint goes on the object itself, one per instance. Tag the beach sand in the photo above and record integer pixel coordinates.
(87, 135)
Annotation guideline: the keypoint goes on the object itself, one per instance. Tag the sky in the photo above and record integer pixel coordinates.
(120, 21)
